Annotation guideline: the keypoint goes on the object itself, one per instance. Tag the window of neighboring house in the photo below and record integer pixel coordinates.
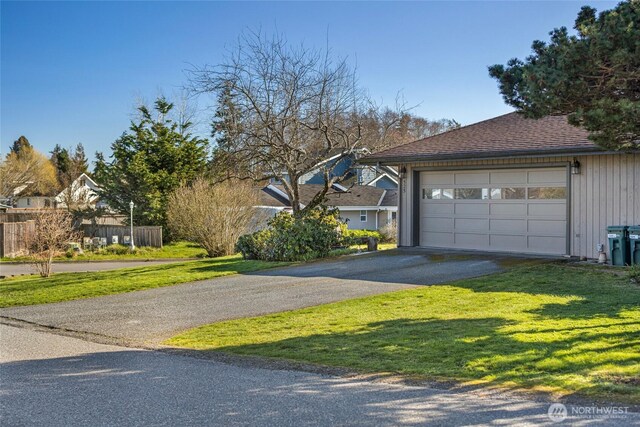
(28, 202)
(47, 203)
(83, 182)
(393, 216)
(363, 216)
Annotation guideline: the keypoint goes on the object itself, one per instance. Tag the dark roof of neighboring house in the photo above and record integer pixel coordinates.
(390, 199)
(504, 136)
(358, 195)
(271, 198)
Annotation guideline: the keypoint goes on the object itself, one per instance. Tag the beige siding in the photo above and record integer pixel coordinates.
(354, 222)
(607, 192)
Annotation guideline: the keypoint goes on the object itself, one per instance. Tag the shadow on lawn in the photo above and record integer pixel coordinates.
(588, 344)
(468, 350)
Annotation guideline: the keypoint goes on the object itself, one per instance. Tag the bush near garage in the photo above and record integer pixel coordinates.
(355, 237)
(311, 234)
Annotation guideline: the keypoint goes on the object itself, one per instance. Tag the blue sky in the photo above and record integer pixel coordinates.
(72, 71)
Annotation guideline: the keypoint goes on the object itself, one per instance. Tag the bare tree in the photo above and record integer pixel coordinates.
(52, 231)
(282, 110)
(407, 127)
(214, 216)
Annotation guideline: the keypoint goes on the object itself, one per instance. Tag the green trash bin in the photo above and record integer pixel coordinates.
(634, 244)
(618, 247)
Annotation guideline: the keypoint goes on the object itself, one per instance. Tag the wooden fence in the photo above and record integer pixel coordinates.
(142, 236)
(13, 237)
(17, 216)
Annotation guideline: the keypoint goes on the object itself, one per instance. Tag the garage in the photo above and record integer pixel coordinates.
(513, 184)
(515, 210)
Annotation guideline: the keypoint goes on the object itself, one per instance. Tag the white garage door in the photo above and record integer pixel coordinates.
(515, 210)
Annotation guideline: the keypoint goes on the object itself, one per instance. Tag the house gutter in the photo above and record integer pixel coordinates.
(396, 160)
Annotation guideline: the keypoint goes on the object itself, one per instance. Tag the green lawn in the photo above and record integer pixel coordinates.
(171, 250)
(554, 328)
(29, 290)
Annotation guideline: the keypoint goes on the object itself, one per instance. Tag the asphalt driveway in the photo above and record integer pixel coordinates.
(148, 317)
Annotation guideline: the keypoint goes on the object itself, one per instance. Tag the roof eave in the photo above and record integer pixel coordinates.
(413, 158)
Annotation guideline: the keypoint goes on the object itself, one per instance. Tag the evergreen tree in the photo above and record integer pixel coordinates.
(20, 145)
(593, 76)
(148, 162)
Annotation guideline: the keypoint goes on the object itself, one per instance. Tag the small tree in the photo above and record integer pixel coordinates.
(52, 231)
(214, 216)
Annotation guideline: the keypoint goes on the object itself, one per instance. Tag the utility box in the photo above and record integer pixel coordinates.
(618, 246)
(634, 244)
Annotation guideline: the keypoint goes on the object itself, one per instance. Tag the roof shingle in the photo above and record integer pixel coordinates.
(509, 135)
(358, 195)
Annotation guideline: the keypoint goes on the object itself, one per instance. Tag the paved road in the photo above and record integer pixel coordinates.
(53, 380)
(75, 267)
(147, 317)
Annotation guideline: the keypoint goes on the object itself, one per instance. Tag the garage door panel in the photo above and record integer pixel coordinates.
(471, 178)
(507, 242)
(438, 208)
(547, 228)
(508, 177)
(471, 224)
(471, 208)
(508, 225)
(444, 178)
(481, 216)
(438, 239)
(437, 224)
(508, 209)
(472, 241)
(557, 210)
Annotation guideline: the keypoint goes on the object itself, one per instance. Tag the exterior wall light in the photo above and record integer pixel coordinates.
(403, 172)
(575, 167)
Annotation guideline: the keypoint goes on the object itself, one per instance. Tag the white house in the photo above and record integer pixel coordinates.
(83, 192)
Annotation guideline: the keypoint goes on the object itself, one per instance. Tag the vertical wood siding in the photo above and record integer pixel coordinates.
(607, 192)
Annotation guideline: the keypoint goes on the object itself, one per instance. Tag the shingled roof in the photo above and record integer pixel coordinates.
(510, 135)
(358, 195)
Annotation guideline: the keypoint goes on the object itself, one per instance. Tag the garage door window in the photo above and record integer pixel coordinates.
(509, 193)
(472, 193)
(547, 193)
(437, 193)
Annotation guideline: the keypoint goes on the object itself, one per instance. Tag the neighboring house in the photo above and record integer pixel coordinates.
(23, 198)
(513, 184)
(37, 201)
(354, 174)
(82, 192)
(362, 207)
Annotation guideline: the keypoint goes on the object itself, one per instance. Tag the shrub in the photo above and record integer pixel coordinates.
(354, 237)
(294, 238)
(214, 216)
(389, 232)
(116, 250)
